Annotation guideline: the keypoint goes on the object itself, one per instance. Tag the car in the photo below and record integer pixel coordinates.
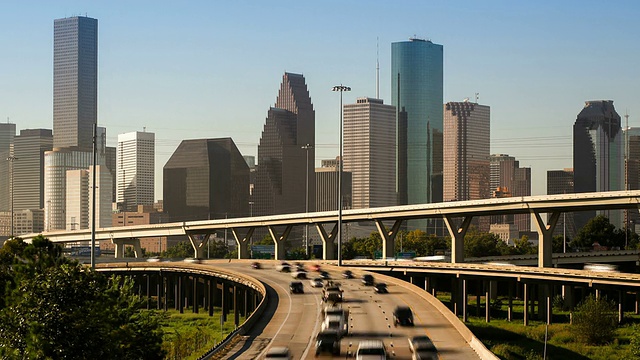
(300, 267)
(347, 274)
(403, 316)
(315, 267)
(283, 267)
(256, 265)
(380, 288)
(332, 296)
(278, 353)
(325, 275)
(299, 274)
(317, 282)
(193, 260)
(367, 280)
(296, 287)
(335, 322)
(328, 340)
(154, 259)
(422, 348)
(371, 350)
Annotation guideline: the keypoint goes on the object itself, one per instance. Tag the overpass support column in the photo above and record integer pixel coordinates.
(465, 316)
(180, 294)
(457, 234)
(224, 302)
(199, 245)
(620, 308)
(121, 243)
(388, 237)
(637, 304)
(328, 244)
(545, 237)
(510, 307)
(211, 288)
(195, 294)
(525, 308)
(243, 242)
(159, 287)
(487, 302)
(279, 241)
(236, 308)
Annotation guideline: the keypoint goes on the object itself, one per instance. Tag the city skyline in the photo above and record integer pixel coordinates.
(534, 76)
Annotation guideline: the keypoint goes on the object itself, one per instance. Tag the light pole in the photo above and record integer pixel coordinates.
(307, 147)
(11, 159)
(250, 208)
(341, 88)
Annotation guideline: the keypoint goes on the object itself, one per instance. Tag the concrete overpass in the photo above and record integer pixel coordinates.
(388, 221)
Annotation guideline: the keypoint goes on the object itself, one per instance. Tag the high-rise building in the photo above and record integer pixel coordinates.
(75, 81)
(561, 182)
(466, 151)
(7, 134)
(135, 169)
(632, 174)
(79, 202)
(206, 179)
(327, 187)
(507, 178)
(370, 152)
(598, 156)
(283, 170)
(29, 149)
(417, 93)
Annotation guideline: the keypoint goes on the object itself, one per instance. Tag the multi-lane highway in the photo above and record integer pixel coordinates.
(293, 320)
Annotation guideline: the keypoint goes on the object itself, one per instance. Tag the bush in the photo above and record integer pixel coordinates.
(595, 320)
(558, 302)
(634, 342)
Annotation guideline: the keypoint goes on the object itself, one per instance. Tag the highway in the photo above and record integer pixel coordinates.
(295, 319)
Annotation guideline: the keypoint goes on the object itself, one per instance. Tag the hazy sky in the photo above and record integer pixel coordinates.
(208, 69)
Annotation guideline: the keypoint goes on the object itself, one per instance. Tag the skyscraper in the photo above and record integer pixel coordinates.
(75, 81)
(598, 155)
(30, 147)
(370, 152)
(466, 151)
(561, 182)
(7, 134)
(507, 178)
(135, 169)
(206, 179)
(282, 170)
(417, 93)
(327, 186)
(79, 199)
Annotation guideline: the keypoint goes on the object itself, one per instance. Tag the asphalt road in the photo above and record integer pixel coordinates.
(293, 320)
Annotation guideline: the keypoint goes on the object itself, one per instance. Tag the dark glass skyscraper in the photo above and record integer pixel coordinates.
(75, 81)
(206, 179)
(282, 170)
(417, 93)
(29, 149)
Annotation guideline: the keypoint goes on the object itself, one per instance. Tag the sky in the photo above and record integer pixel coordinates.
(210, 69)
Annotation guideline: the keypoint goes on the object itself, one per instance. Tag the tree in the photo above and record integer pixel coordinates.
(55, 308)
(422, 244)
(479, 244)
(594, 321)
(180, 250)
(598, 230)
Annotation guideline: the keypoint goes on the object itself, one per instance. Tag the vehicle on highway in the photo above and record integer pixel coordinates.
(317, 282)
(332, 296)
(300, 267)
(283, 267)
(325, 275)
(154, 259)
(347, 274)
(328, 340)
(278, 353)
(299, 274)
(600, 267)
(336, 310)
(256, 265)
(403, 316)
(380, 288)
(371, 350)
(193, 260)
(315, 267)
(296, 287)
(422, 348)
(335, 322)
(367, 280)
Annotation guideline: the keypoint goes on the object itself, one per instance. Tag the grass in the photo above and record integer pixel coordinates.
(189, 335)
(511, 340)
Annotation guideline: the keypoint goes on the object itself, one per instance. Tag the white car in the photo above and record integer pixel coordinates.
(317, 282)
(371, 350)
(334, 322)
(278, 353)
(422, 348)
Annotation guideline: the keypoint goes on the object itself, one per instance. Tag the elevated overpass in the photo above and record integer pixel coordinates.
(456, 215)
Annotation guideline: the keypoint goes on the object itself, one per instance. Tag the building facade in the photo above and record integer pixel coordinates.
(143, 215)
(206, 179)
(135, 169)
(75, 81)
(7, 135)
(466, 151)
(29, 149)
(561, 182)
(507, 178)
(79, 201)
(284, 177)
(598, 156)
(370, 152)
(326, 178)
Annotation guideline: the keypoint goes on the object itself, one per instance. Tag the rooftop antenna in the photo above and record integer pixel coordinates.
(477, 97)
(144, 129)
(377, 68)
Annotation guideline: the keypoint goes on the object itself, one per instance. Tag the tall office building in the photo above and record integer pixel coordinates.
(507, 178)
(29, 149)
(370, 152)
(135, 169)
(75, 81)
(632, 173)
(283, 170)
(206, 179)
(327, 187)
(79, 198)
(466, 151)
(598, 156)
(417, 93)
(7, 134)
(561, 182)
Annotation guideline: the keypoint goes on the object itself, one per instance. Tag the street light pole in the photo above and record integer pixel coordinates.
(11, 159)
(306, 204)
(341, 89)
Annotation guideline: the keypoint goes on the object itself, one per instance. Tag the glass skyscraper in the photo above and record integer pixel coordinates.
(417, 93)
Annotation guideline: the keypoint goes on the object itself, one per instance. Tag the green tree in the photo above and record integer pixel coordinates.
(421, 243)
(598, 230)
(180, 250)
(524, 246)
(480, 244)
(594, 321)
(557, 244)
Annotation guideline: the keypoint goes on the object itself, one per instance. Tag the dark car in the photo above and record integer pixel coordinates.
(328, 340)
(367, 280)
(422, 348)
(347, 274)
(256, 265)
(380, 288)
(403, 316)
(296, 287)
(325, 275)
